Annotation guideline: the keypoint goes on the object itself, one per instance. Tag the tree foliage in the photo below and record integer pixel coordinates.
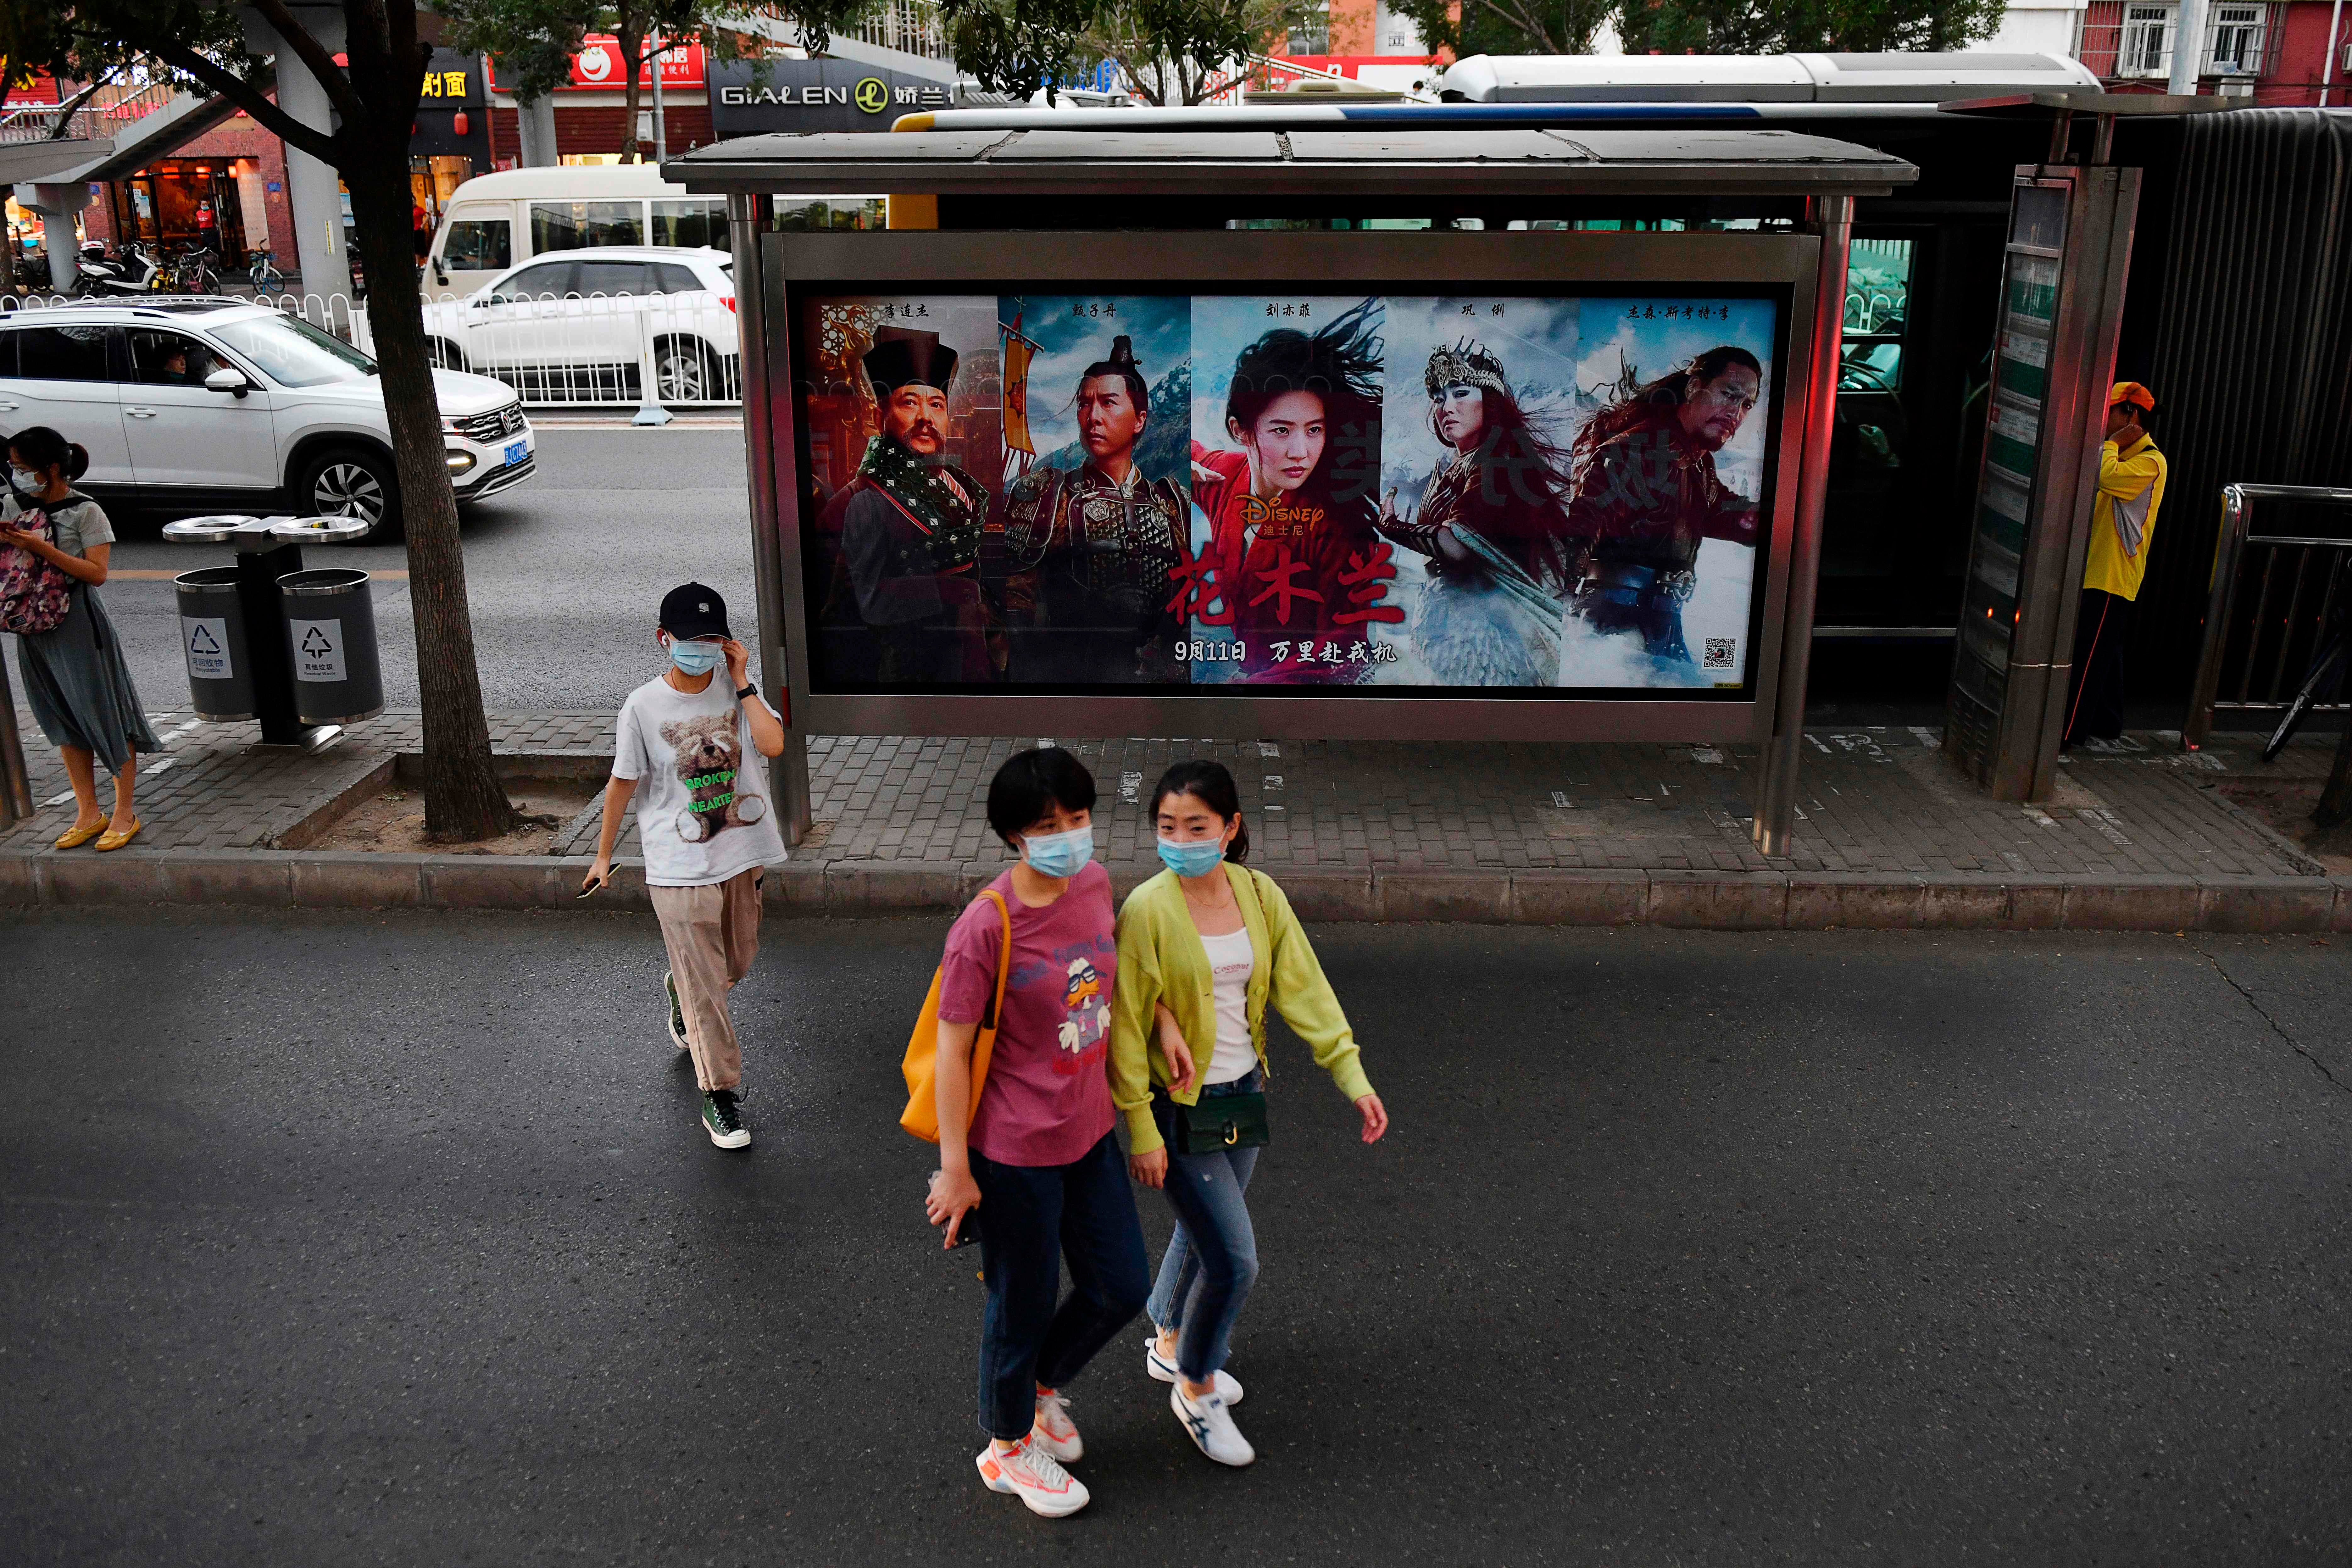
(1702, 27)
(1786, 26)
(1019, 48)
(1174, 51)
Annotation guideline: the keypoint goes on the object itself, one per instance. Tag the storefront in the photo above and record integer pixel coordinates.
(174, 202)
(451, 142)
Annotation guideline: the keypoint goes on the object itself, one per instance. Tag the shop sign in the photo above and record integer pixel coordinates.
(755, 98)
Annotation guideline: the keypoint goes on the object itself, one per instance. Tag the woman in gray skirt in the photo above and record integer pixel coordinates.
(74, 675)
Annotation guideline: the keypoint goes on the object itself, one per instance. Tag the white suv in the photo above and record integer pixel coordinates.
(216, 405)
(581, 325)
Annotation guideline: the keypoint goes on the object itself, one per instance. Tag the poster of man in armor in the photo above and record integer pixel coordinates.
(897, 540)
(1560, 519)
(1291, 581)
(1098, 516)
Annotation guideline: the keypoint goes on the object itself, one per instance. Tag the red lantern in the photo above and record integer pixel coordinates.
(458, 124)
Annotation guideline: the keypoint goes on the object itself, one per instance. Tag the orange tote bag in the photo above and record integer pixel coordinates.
(921, 1066)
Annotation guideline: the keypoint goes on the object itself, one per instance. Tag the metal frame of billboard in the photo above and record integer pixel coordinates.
(1447, 263)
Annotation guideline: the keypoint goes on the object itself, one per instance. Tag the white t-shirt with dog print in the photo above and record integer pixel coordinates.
(703, 811)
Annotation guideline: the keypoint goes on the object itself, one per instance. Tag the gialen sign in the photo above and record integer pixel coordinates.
(759, 98)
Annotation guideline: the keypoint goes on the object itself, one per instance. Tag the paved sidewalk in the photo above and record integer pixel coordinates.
(1450, 829)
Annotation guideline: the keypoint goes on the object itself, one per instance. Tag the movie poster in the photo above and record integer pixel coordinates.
(1329, 493)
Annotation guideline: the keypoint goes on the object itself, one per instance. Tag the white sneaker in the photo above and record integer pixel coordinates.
(1162, 1370)
(1055, 1431)
(1033, 1476)
(1210, 1427)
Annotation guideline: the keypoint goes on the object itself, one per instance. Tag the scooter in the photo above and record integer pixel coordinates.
(131, 272)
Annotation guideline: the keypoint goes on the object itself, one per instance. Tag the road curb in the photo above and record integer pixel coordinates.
(1707, 901)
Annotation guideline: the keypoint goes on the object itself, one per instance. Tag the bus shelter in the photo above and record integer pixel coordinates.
(1091, 459)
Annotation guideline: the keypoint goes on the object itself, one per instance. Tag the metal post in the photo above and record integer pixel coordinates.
(661, 131)
(2327, 72)
(2236, 516)
(1776, 806)
(16, 797)
(649, 404)
(2188, 48)
(788, 776)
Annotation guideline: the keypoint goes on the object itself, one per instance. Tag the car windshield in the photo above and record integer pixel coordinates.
(293, 352)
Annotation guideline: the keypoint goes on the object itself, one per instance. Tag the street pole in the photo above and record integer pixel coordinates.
(1776, 806)
(788, 774)
(661, 131)
(15, 782)
(2327, 70)
(313, 188)
(2188, 48)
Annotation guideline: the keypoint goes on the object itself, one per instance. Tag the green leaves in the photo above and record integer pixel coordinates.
(1017, 47)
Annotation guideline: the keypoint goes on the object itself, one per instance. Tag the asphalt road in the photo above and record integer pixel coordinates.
(564, 573)
(392, 1239)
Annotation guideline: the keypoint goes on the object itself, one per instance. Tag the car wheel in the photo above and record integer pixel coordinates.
(445, 354)
(686, 370)
(351, 481)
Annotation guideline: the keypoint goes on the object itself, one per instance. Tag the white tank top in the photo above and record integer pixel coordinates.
(1230, 962)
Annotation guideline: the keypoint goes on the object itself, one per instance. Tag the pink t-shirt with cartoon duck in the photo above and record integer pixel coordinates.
(1047, 1098)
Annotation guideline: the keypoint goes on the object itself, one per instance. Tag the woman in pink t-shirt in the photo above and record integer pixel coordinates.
(1039, 1168)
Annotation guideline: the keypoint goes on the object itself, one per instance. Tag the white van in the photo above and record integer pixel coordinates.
(497, 221)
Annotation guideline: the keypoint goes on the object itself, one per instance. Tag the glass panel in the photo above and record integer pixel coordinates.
(2039, 218)
(63, 353)
(479, 245)
(610, 277)
(293, 352)
(572, 225)
(696, 223)
(671, 278)
(539, 282)
(167, 359)
(841, 212)
(1877, 306)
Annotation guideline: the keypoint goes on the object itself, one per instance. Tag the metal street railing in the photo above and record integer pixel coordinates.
(2288, 584)
(598, 350)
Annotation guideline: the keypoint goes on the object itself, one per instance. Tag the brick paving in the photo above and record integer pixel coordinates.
(1877, 799)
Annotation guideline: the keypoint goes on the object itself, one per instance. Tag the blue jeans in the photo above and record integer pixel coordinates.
(1211, 1260)
(1033, 1219)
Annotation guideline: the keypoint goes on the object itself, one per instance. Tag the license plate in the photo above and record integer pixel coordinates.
(517, 451)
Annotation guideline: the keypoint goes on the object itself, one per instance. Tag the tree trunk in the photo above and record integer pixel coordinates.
(463, 799)
(632, 44)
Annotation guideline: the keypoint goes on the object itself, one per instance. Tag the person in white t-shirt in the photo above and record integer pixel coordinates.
(683, 754)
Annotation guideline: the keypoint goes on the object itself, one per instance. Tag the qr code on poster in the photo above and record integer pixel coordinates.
(1722, 653)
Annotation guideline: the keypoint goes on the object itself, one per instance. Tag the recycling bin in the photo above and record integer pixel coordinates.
(331, 642)
(213, 640)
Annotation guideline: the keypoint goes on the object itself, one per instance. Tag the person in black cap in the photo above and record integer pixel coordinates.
(683, 753)
(905, 605)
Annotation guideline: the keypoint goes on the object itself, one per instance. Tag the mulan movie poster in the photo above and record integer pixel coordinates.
(1079, 493)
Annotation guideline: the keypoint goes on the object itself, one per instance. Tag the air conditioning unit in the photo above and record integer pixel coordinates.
(2234, 87)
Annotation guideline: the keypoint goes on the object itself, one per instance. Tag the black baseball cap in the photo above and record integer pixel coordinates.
(690, 610)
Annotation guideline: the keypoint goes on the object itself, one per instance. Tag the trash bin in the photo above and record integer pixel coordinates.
(211, 636)
(331, 639)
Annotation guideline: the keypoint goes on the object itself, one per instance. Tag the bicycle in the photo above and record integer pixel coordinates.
(2321, 683)
(262, 272)
(192, 273)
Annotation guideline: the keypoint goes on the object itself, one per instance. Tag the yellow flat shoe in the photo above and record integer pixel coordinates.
(110, 839)
(75, 837)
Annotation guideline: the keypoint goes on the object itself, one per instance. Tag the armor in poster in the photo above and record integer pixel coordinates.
(1087, 551)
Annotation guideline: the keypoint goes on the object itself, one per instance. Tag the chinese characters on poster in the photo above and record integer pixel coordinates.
(1063, 493)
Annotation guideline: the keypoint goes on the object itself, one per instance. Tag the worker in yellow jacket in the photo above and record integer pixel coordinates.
(2122, 525)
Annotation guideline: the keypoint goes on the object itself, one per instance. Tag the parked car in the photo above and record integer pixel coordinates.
(579, 326)
(497, 221)
(215, 404)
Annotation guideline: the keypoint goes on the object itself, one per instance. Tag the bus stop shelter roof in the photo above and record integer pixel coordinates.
(1693, 160)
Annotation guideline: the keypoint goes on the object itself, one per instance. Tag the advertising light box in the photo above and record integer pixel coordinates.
(1547, 493)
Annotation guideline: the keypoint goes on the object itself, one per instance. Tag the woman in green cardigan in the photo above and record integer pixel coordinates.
(1203, 948)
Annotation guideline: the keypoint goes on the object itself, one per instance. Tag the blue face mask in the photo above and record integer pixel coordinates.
(694, 657)
(1197, 858)
(1058, 854)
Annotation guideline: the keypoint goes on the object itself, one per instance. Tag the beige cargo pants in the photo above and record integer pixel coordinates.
(713, 933)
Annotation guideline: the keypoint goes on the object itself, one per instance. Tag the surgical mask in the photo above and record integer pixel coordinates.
(1058, 854)
(694, 657)
(1197, 858)
(31, 484)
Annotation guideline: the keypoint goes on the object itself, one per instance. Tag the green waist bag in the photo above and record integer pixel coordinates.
(1226, 1121)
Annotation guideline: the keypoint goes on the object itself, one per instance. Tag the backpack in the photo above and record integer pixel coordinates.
(921, 1115)
(33, 594)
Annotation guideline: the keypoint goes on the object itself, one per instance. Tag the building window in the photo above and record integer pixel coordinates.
(2147, 41)
(1310, 33)
(2235, 45)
